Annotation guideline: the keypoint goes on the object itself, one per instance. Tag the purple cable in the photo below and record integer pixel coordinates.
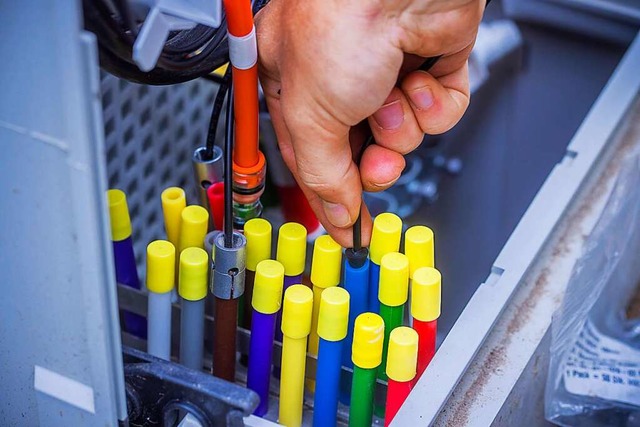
(263, 327)
(288, 281)
(127, 274)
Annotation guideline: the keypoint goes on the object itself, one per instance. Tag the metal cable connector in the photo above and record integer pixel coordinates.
(207, 171)
(229, 267)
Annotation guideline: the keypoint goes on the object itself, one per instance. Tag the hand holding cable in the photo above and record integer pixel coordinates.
(328, 65)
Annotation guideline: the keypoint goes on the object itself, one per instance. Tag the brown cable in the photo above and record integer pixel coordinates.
(224, 339)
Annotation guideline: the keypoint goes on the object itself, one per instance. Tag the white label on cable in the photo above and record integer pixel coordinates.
(64, 388)
(599, 366)
(243, 51)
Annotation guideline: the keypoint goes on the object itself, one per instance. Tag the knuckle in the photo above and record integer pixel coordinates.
(325, 182)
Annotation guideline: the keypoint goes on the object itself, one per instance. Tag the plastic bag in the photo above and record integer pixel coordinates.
(594, 370)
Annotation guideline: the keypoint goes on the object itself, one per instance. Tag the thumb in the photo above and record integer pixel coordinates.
(324, 162)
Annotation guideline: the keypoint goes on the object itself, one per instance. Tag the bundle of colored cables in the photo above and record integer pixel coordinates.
(186, 55)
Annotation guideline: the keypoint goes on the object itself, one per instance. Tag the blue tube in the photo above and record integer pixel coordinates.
(325, 403)
(356, 282)
(374, 285)
(127, 274)
(261, 350)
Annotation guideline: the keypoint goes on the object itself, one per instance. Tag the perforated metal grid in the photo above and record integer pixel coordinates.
(150, 134)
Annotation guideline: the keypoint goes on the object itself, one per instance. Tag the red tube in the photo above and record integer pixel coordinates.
(397, 393)
(426, 343)
(215, 194)
(296, 207)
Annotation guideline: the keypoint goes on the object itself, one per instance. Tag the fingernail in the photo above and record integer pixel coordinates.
(337, 214)
(390, 116)
(422, 97)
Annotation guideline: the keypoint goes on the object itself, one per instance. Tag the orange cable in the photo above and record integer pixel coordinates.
(245, 82)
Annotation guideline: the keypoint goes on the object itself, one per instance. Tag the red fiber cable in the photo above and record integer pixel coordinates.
(397, 393)
(426, 343)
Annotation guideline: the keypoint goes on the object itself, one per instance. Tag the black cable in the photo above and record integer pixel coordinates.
(357, 226)
(127, 16)
(228, 169)
(187, 54)
(214, 78)
(215, 114)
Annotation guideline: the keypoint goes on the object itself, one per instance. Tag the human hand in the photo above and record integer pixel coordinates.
(327, 65)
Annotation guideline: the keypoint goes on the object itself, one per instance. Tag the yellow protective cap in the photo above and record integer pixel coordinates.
(385, 237)
(161, 266)
(194, 269)
(368, 337)
(334, 314)
(193, 228)
(292, 248)
(296, 312)
(119, 215)
(394, 279)
(426, 294)
(326, 262)
(267, 287)
(258, 234)
(403, 354)
(173, 202)
(418, 246)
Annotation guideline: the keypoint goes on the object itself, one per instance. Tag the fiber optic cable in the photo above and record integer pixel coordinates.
(325, 274)
(266, 302)
(425, 310)
(331, 330)
(385, 238)
(368, 338)
(296, 324)
(161, 266)
(401, 367)
(124, 257)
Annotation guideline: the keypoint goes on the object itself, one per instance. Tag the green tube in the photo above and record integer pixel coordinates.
(362, 392)
(392, 317)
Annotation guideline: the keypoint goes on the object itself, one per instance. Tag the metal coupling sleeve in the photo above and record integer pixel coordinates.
(207, 171)
(227, 280)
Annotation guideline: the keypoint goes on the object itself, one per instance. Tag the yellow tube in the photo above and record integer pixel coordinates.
(294, 353)
(418, 246)
(314, 340)
(193, 227)
(296, 324)
(119, 215)
(173, 202)
(325, 273)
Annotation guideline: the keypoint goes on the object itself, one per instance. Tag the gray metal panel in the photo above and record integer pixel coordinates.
(150, 135)
(58, 309)
(436, 390)
(613, 20)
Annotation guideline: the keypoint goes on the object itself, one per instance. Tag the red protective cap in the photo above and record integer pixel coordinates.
(215, 194)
